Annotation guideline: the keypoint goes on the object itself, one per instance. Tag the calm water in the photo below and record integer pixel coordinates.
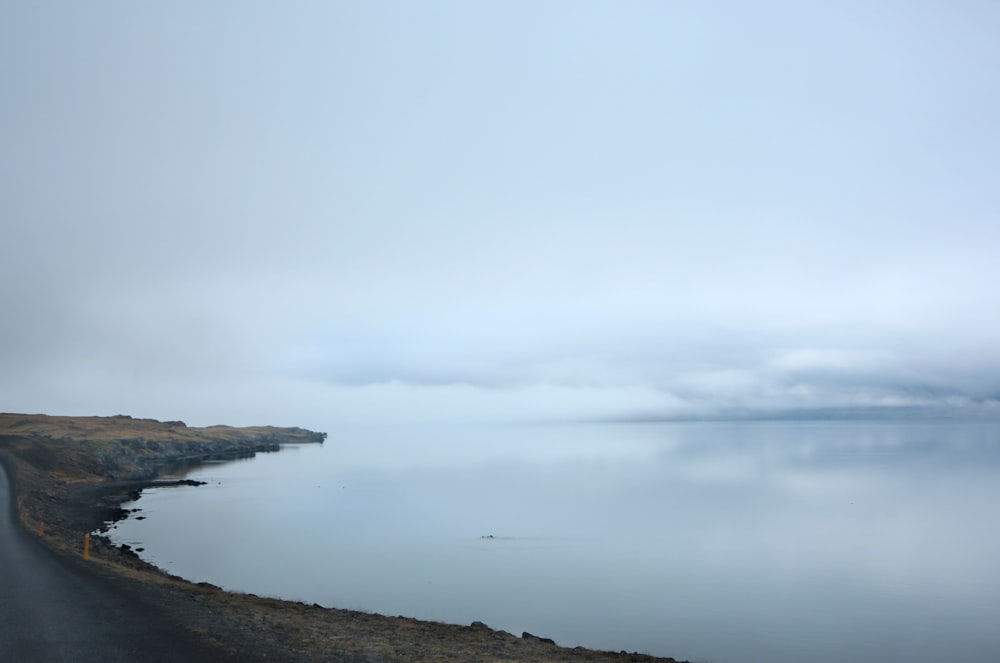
(725, 542)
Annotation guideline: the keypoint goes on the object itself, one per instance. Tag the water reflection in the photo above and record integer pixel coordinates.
(741, 542)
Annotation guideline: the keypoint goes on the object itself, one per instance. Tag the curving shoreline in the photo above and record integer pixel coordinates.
(74, 473)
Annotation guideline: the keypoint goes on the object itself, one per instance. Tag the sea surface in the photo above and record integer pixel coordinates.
(728, 542)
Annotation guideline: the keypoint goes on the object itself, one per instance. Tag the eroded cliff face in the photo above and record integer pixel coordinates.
(122, 448)
(74, 472)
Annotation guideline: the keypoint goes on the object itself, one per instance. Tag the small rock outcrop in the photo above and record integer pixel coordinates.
(529, 636)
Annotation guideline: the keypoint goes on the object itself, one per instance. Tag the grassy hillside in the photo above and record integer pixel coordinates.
(120, 447)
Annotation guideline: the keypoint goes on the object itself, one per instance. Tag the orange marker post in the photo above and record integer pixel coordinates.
(86, 546)
(41, 527)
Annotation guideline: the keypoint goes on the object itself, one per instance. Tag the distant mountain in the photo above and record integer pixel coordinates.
(990, 411)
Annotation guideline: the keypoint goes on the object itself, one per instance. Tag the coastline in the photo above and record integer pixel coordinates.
(72, 474)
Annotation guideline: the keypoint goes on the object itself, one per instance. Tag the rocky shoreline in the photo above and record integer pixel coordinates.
(71, 476)
(75, 472)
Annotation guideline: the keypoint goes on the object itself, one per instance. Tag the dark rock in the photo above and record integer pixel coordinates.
(528, 636)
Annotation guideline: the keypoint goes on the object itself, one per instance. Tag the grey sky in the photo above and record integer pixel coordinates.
(244, 211)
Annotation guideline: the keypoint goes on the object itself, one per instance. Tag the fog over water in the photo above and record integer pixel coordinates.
(734, 542)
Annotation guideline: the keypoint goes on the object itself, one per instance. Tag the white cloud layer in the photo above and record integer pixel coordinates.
(427, 211)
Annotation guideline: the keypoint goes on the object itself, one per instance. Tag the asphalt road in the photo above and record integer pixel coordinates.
(53, 612)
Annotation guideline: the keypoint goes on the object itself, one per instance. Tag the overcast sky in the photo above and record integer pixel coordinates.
(296, 213)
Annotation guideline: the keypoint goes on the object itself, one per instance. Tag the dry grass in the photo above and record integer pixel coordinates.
(122, 427)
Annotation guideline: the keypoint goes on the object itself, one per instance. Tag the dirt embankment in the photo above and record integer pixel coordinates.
(71, 475)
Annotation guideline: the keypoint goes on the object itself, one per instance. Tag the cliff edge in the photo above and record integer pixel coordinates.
(72, 473)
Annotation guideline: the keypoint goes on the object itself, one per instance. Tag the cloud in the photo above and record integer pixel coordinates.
(644, 211)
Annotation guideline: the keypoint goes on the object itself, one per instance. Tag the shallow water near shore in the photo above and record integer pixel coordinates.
(729, 542)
